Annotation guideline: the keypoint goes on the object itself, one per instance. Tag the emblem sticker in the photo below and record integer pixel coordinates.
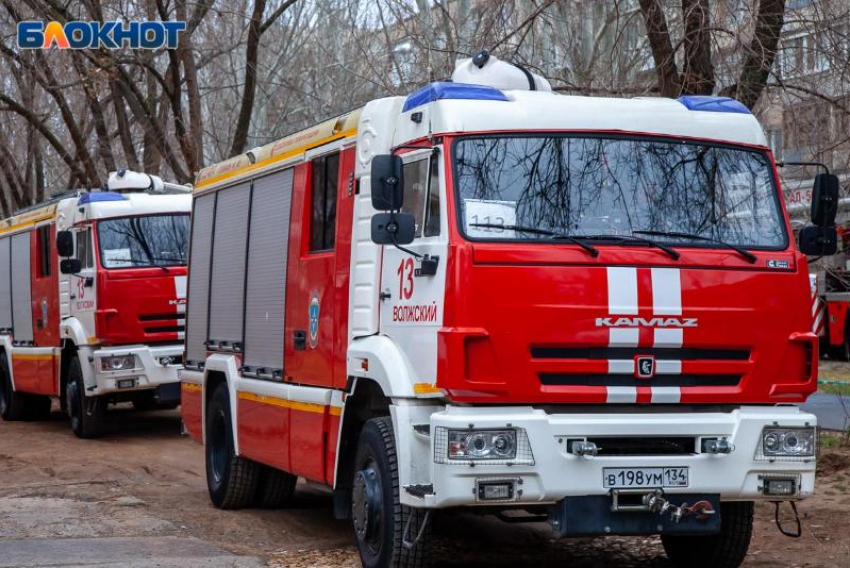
(645, 366)
(313, 311)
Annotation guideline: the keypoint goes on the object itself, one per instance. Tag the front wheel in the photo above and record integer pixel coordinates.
(724, 550)
(379, 518)
(13, 405)
(231, 480)
(86, 412)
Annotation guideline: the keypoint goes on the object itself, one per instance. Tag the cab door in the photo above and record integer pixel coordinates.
(318, 270)
(413, 285)
(45, 308)
(45, 288)
(82, 287)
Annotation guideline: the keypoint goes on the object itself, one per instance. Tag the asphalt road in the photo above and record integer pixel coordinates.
(832, 410)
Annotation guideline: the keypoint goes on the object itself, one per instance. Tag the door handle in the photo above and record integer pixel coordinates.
(39, 323)
(299, 339)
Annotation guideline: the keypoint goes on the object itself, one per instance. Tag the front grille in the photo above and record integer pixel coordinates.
(166, 329)
(155, 317)
(660, 353)
(645, 445)
(606, 380)
(163, 323)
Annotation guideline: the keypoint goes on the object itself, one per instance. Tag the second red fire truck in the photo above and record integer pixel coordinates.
(487, 295)
(92, 301)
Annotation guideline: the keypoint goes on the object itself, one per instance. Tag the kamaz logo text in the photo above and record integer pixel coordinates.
(646, 322)
(92, 35)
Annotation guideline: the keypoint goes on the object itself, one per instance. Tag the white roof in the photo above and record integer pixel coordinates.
(536, 111)
(138, 204)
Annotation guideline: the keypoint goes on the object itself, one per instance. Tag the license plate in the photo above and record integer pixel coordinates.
(619, 477)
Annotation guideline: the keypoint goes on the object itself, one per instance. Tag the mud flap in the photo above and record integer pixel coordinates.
(594, 515)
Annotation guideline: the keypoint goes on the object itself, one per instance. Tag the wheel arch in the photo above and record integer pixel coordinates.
(218, 369)
(366, 400)
(6, 347)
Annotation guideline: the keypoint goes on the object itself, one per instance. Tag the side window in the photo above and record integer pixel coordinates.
(415, 188)
(323, 202)
(432, 213)
(84, 252)
(43, 239)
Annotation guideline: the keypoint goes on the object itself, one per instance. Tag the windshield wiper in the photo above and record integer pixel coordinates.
(139, 263)
(743, 252)
(591, 250)
(673, 253)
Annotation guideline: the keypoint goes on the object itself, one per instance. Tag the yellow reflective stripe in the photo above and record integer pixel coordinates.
(192, 387)
(313, 407)
(274, 159)
(30, 357)
(264, 399)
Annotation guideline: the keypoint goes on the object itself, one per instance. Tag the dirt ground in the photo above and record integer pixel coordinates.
(145, 478)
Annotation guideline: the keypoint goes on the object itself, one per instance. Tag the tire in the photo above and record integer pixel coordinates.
(86, 412)
(275, 488)
(232, 481)
(725, 550)
(13, 405)
(378, 517)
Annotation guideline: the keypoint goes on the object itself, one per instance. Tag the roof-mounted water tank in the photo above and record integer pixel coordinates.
(124, 181)
(486, 69)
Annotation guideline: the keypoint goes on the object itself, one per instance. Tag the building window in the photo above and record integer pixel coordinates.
(323, 202)
(43, 238)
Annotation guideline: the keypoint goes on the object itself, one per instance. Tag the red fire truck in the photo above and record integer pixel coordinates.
(487, 295)
(92, 301)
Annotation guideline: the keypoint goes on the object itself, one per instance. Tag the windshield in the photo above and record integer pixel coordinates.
(616, 186)
(134, 242)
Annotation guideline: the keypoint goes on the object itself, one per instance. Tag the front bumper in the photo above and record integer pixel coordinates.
(556, 474)
(152, 368)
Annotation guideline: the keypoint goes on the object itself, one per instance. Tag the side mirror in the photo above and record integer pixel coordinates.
(65, 243)
(70, 266)
(818, 241)
(825, 200)
(393, 228)
(387, 182)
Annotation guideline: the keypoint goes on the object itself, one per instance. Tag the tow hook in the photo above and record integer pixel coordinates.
(656, 503)
(798, 532)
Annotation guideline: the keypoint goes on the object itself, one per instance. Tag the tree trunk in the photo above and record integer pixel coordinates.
(697, 68)
(761, 53)
(246, 109)
(658, 34)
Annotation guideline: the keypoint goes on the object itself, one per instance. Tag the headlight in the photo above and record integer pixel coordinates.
(118, 363)
(482, 444)
(788, 442)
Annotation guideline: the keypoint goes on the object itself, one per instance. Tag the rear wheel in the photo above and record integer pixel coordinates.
(86, 412)
(379, 518)
(724, 550)
(275, 489)
(232, 481)
(13, 405)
